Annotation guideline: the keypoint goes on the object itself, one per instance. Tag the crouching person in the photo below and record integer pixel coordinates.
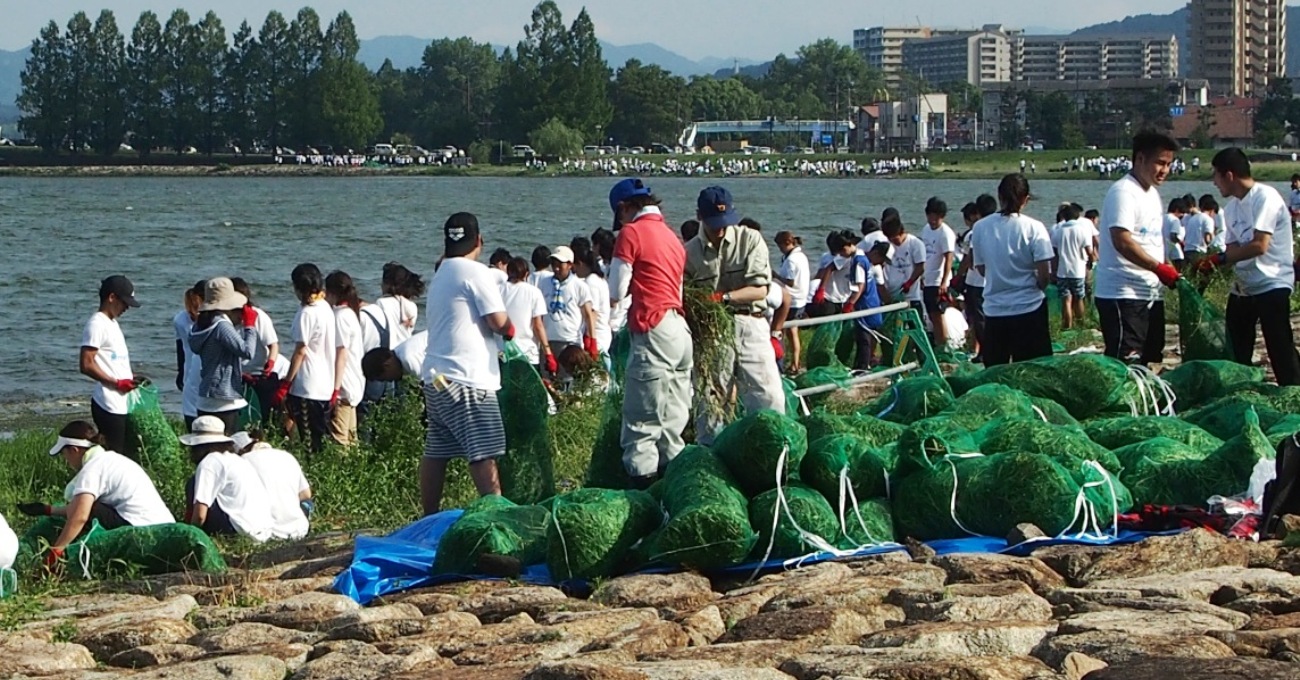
(107, 487)
(286, 486)
(225, 496)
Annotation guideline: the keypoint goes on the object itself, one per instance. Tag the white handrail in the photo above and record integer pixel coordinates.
(860, 380)
(804, 323)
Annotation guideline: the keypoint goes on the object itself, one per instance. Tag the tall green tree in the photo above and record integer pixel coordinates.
(183, 81)
(582, 94)
(274, 73)
(239, 112)
(726, 99)
(306, 52)
(397, 100)
(457, 82)
(41, 103)
(650, 104)
(533, 73)
(107, 126)
(349, 114)
(146, 74)
(80, 43)
(555, 139)
(210, 70)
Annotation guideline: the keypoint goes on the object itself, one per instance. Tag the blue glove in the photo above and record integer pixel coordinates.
(308, 507)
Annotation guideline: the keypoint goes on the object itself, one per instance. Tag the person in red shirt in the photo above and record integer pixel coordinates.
(648, 265)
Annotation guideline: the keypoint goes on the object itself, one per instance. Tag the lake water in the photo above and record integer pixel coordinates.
(61, 236)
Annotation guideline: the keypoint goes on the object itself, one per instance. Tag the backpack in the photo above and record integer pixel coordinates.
(1282, 495)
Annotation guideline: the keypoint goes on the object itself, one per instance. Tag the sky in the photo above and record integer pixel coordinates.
(752, 29)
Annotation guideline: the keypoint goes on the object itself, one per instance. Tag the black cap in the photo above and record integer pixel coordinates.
(460, 234)
(121, 287)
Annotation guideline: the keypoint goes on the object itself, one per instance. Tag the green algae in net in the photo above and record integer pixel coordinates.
(1185, 481)
(592, 531)
(493, 525)
(835, 374)
(870, 523)
(605, 470)
(1202, 329)
(527, 470)
(1116, 433)
(990, 402)
(128, 551)
(912, 399)
(1159, 449)
(870, 429)
(932, 438)
(821, 349)
(1223, 417)
(1084, 384)
(1053, 412)
(760, 446)
(1036, 436)
(837, 459)
(158, 443)
(708, 516)
(713, 331)
(1198, 382)
(804, 518)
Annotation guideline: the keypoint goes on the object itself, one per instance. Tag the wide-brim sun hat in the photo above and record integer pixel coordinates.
(206, 430)
(219, 295)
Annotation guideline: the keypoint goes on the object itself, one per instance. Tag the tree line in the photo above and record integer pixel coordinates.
(184, 84)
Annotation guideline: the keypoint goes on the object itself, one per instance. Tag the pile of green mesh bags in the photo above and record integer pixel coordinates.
(127, 551)
(592, 532)
(1085, 385)
(493, 525)
(1164, 471)
(708, 515)
(527, 470)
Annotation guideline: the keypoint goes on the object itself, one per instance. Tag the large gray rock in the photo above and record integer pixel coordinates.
(910, 664)
(1227, 583)
(703, 670)
(20, 654)
(918, 574)
(224, 668)
(498, 605)
(752, 654)
(1162, 604)
(678, 592)
(1260, 643)
(1115, 647)
(991, 569)
(1197, 669)
(308, 611)
(582, 670)
(1189, 551)
(155, 655)
(103, 613)
(1145, 622)
(371, 665)
(243, 635)
(650, 638)
(106, 642)
(704, 627)
(815, 626)
(862, 594)
(1008, 638)
(1006, 601)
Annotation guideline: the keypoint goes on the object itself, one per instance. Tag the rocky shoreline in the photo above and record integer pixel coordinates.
(1195, 606)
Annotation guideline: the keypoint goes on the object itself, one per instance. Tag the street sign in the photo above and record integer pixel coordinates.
(1176, 111)
(828, 140)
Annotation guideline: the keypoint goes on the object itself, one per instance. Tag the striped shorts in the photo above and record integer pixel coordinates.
(463, 423)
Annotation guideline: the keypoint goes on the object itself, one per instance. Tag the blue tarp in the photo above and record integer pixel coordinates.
(403, 560)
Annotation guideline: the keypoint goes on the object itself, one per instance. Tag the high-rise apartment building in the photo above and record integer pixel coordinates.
(882, 47)
(1239, 46)
(977, 57)
(1056, 57)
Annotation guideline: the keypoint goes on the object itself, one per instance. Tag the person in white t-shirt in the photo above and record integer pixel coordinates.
(968, 282)
(1014, 253)
(1294, 204)
(8, 553)
(586, 265)
(349, 382)
(940, 246)
(541, 259)
(461, 373)
(260, 369)
(903, 275)
(1074, 253)
(390, 365)
(1262, 255)
(1201, 228)
(400, 286)
(286, 486)
(1131, 265)
(106, 360)
(309, 386)
(570, 318)
(188, 366)
(527, 311)
(795, 276)
(108, 487)
(1175, 233)
(225, 497)
(497, 262)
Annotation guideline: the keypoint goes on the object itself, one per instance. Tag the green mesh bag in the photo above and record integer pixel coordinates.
(708, 515)
(1183, 481)
(985, 403)
(1199, 382)
(493, 525)
(932, 438)
(835, 374)
(793, 406)
(1053, 412)
(147, 425)
(527, 470)
(1282, 429)
(759, 446)
(912, 399)
(1036, 436)
(870, 523)
(1202, 330)
(1160, 450)
(835, 456)
(592, 530)
(1223, 417)
(1115, 433)
(821, 349)
(605, 470)
(871, 430)
(806, 512)
(1286, 399)
(1084, 384)
(127, 551)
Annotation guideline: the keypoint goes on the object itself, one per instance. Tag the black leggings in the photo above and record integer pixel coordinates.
(217, 522)
(112, 427)
(1017, 338)
(1272, 312)
(866, 342)
(310, 417)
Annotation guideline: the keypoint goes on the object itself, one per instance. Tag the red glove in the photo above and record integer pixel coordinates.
(717, 297)
(1168, 275)
(907, 286)
(552, 366)
(820, 296)
(778, 348)
(334, 399)
(509, 331)
(280, 394)
(125, 386)
(1209, 264)
(250, 316)
(848, 308)
(53, 558)
(589, 344)
(269, 368)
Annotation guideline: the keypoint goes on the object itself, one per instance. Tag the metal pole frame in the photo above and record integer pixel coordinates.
(822, 320)
(860, 380)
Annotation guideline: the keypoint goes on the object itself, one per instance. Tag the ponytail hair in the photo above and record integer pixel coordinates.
(339, 286)
(1013, 191)
(80, 429)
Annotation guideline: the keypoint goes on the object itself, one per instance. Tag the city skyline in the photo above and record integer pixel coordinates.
(764, 29)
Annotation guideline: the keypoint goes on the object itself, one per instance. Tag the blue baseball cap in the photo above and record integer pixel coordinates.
(626, 189)
(717, 209)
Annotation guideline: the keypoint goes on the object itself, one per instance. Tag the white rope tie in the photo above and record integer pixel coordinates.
(1040, 413)
(952, 506)
(1085, 510)
(564, 545)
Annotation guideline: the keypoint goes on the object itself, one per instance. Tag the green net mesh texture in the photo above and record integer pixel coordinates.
(1202, 331)
(830, 456)
(1054, 412)
(1115, 433)
(708, 515)
(128, 551)
(754, 447)
(592, 530)
(1083, 384)
(1036, 436)
(871, 430)
(809, 511)
(1223, 417)
(147, 424)
(871, 523)
(605, 470)
(493, 526)
(1285, 399)
(1158, 449)
(836, 374)
(821, 349)
(528, 469)
(985, 403)
(912, 399)
(1199, 382)
(1166, 478)
(931, 439)
(1282, 429)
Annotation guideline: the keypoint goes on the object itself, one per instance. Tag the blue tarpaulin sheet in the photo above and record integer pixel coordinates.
(403, 560)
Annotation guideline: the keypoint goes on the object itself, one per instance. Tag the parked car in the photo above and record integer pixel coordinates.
(383, 150)
(592, 150)
(608, 151)
(636, 150)
(523, 151)
(662, 149)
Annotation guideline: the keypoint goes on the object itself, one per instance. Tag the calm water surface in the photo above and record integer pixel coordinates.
(61, 236)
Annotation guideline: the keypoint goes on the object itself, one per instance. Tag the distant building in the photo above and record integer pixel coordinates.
(1239, 46)
(1002, 99)
(976, 58)
(1056, 57)
(911, 125)
(1229, 121)
(882, 47)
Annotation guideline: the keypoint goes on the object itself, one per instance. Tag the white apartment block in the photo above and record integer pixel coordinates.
(1055, 57)
(1238, 45)
(977, 58)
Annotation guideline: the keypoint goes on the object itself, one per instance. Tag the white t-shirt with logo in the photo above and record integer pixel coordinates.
(1135, 210)
(266, 336)
(1262, 210)
(461, 346)
(1199, 226)
(523, 304)
(564, 322)
(182, 323)
(938, 243)
(1072, 242)
(794, 268)
(315, 327)
(283, 479)
(104, 335)
(227, 480)
(8, 546)
(899, 270)
(845, 280)
(410, 354)
(1175, 235)
(599, 289)
(1009, 247)
(121, 484)
(351, 339)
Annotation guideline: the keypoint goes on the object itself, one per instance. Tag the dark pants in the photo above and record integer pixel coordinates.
(1134, 330)
(974, 299)
(217, 522)
(820, 309)
(866, 357)
(265, 389)
(1017, 338)
(311, 418)
(112, 427)
(229, 418)
(107, 517)
(1272, 311)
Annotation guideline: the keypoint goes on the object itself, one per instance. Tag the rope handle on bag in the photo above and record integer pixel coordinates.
(952, 506)
(1086, 510)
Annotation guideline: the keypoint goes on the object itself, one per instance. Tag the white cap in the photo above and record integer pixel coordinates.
(562, 254)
